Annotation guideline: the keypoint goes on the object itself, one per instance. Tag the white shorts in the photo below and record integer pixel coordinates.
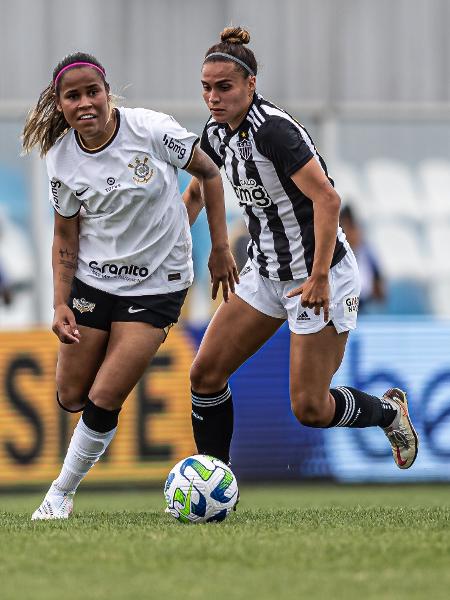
(269, 297)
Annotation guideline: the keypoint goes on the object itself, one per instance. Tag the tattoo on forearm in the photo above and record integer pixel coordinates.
(68, 259)
(67, 254)
(65, 278)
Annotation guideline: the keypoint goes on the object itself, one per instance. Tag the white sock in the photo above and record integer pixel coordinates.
(85, 448)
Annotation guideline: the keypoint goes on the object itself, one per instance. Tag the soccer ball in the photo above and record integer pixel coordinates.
(200, 489)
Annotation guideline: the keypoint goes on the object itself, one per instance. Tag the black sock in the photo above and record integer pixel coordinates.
(212, 423)
(98, 418)
(355, 408)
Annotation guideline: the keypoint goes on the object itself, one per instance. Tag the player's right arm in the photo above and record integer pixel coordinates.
(64, 263)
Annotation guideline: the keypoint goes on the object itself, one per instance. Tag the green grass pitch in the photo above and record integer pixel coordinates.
(284, 542)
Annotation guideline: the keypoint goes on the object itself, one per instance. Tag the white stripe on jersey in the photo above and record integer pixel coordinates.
(277, 214)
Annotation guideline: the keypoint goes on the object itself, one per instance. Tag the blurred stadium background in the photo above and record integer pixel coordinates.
(371, 82)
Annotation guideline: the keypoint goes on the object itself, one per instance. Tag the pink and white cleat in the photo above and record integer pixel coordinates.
(401, 433)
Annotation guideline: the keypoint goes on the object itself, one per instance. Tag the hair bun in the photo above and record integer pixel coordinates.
(235, 35)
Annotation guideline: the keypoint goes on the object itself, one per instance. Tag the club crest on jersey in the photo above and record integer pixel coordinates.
(142, 171)
(83, 305)
(244, 146)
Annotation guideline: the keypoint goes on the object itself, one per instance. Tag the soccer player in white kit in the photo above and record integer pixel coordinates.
(300, 268)
(121, 249)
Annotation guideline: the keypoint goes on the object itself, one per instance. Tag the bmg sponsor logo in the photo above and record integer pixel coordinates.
(55, 185)
(249, 193)
(111, 270)
(176, 146)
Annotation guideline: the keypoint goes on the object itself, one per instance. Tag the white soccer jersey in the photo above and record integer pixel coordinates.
(134, 230)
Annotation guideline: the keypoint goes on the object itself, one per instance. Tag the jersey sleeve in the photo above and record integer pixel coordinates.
(63, 200)
(208, 148)
(61, 197)
(172, 142)
(281, 142)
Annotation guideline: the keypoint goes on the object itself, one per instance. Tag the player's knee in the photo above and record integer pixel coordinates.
(70, 402)
(106, 398)
(204, 378)
(309, 411)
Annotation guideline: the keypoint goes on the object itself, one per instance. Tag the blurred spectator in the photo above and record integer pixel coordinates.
(5, 290)
(372, 281)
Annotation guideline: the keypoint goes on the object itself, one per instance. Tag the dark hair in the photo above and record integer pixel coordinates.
(348, 213)
(45, 124)
(232, 43)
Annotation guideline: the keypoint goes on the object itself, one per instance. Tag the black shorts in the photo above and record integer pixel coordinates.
(98, 309)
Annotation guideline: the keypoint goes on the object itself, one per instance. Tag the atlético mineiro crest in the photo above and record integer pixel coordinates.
(244, 146)
(142, 172)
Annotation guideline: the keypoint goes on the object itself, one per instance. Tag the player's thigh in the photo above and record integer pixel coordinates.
(131, 347)
(314, 359)
(78, 364)
(236, 332)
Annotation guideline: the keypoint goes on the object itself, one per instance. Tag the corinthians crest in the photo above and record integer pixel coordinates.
(244, 146)
(142, 172)
(83, 305)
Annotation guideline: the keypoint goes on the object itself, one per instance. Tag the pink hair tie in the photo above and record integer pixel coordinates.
(77, 64)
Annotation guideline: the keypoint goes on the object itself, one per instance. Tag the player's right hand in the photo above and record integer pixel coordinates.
(223, 272)
(65, 326)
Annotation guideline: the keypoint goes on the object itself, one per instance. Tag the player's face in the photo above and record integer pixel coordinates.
(226, 92)
(84, 101)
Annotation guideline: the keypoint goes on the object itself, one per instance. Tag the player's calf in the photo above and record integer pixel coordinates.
(310, 411)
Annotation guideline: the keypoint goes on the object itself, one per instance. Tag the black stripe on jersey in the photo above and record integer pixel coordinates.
(275, 225)
(222, 148)
(301, 204)
(254, 224)
(206, 146)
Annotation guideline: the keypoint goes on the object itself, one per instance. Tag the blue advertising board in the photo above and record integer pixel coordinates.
(411, 353)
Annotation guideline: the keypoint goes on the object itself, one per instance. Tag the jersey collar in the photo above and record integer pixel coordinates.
(106, 144)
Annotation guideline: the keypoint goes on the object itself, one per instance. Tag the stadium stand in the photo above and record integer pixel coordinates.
(393, 192)
(435, 179)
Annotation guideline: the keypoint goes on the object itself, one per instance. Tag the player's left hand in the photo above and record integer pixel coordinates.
(223, 271)
(315, 293)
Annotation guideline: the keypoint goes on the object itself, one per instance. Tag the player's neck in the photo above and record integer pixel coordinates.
(93, 145)
(240, 118)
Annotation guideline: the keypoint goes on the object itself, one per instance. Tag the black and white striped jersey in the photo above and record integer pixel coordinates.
(259, 158)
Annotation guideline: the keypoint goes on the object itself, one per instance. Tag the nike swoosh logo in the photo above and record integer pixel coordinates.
(401, 462)
(82, 192)
(135, 310)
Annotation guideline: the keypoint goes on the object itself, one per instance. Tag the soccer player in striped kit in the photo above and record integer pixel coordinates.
(300, 267)
(121, 249)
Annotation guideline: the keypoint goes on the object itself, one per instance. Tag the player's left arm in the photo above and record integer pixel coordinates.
(221, 262)
(313, 182)
(193, 200)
